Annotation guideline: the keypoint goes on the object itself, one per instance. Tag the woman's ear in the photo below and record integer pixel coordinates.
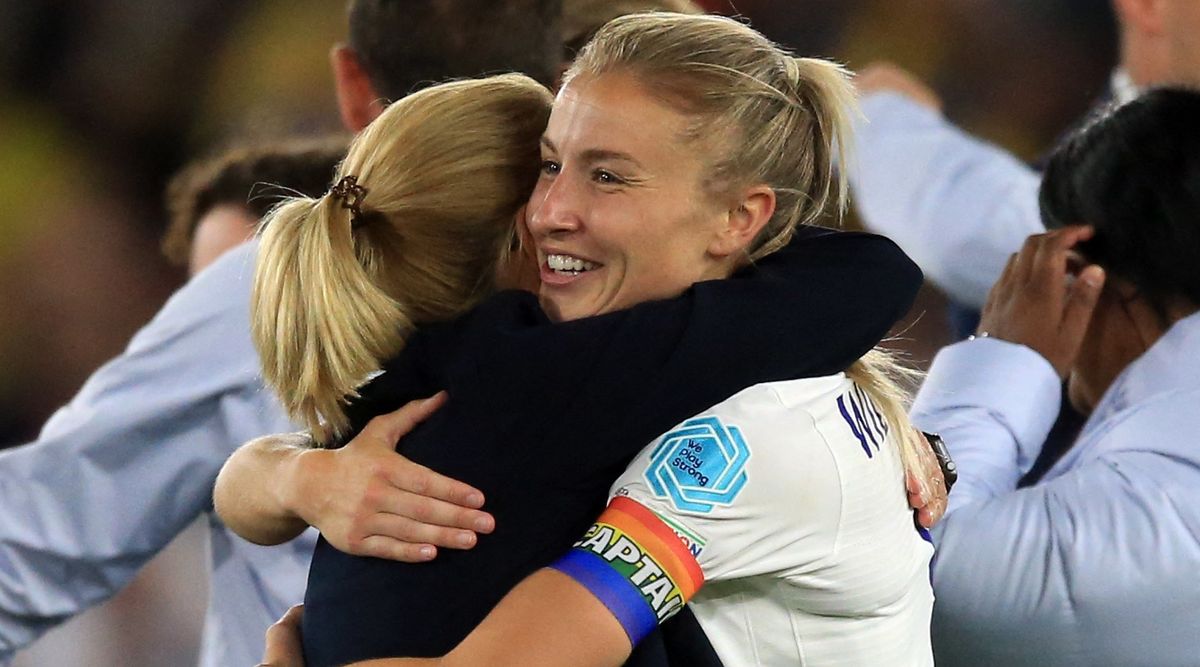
(1145, 16)
(744, 221)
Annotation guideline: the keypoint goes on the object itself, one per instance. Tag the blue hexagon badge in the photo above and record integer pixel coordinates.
(699, 465)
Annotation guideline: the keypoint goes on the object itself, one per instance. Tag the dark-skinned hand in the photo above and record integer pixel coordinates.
(1044, 299)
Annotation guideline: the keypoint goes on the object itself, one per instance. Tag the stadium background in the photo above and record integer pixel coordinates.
(102, 100)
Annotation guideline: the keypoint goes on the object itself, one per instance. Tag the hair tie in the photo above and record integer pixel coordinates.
(351, 194)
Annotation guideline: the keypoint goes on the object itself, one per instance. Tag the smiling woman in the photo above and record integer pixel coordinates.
(620, 204)
(651, 319)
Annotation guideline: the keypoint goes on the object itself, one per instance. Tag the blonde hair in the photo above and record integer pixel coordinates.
(336, 293)
(765, 117)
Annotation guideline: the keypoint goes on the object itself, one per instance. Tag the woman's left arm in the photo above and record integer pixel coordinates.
(633, 569)
(522, 631)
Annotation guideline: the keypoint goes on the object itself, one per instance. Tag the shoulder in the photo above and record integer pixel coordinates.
(752, 484)
(791, 414)
(749, 450)
(216, 301)
(1167, 424)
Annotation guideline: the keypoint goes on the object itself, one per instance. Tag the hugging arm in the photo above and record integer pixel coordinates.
(643, 559)
(522, 631)
(364, 497)
(129, 462)
(525, 630)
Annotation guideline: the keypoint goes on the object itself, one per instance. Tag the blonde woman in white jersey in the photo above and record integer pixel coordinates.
(780, 514)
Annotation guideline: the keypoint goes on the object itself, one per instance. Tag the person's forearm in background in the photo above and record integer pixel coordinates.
(124, 467)
(958, 206)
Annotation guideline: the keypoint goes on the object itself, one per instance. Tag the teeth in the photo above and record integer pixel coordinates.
(568, 263)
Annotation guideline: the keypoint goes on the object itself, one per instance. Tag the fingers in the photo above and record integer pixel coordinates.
(925, 483)
(1043, 257)
(397, 537)
(388, 548)
(1000, 292)
(283, 641)
(927, 518)
(419, 480)
(1023, 265)
(1081, 303)
(386, 430)
(915, 489)
(447, 519)
(1053, 253)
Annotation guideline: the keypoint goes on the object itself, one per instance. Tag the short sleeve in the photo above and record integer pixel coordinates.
(745, 489)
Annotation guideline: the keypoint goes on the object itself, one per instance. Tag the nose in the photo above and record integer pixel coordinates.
(554, 207)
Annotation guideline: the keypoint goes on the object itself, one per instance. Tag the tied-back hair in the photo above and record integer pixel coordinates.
(338, 289)
(1133, 173)
(763, 116)
(767, 117)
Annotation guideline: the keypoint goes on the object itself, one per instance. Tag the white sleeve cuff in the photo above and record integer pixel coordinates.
(1011, 382)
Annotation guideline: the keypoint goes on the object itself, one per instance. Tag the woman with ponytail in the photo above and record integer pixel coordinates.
(413, 232)
(682, 167)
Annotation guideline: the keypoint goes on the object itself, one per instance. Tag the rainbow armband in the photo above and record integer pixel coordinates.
(635, 565)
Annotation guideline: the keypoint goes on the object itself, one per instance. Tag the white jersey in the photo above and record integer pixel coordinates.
(782, 515)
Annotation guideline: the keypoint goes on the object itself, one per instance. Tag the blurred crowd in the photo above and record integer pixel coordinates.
(102, 102)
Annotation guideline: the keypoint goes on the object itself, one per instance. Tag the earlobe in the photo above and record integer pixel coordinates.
(358, 103)
(744, 221)
(1145, 14)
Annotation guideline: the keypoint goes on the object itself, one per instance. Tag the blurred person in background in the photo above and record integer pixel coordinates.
(214, 204)
(130, 462)
(960, 206)
(1096, 563)
(582, 18)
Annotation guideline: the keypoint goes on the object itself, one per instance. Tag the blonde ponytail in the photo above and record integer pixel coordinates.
(337, 291)
(321, 322)
(826, 88)
(886, 382)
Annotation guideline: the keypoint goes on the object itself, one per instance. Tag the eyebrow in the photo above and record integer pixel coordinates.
(596, 154)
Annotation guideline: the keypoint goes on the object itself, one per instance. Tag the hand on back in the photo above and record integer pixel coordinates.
(368, 500)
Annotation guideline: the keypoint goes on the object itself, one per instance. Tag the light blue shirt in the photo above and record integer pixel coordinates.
(1098, 563)
(131, 461)
(956, 205)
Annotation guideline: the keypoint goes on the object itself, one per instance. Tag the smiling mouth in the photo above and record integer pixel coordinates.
(567, 265)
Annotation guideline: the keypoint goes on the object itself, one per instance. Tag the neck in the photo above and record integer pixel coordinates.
(1145, 59)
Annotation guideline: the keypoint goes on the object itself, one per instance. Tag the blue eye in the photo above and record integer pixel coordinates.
(607, 177)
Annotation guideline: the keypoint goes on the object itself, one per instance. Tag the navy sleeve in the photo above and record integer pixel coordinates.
(543, 417)
(809, 310)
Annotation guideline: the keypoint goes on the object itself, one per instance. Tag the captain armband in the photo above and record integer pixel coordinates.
(636, 565)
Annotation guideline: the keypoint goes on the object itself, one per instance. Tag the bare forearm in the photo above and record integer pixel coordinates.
(548, 620)
(254, 489)
(400, 662)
